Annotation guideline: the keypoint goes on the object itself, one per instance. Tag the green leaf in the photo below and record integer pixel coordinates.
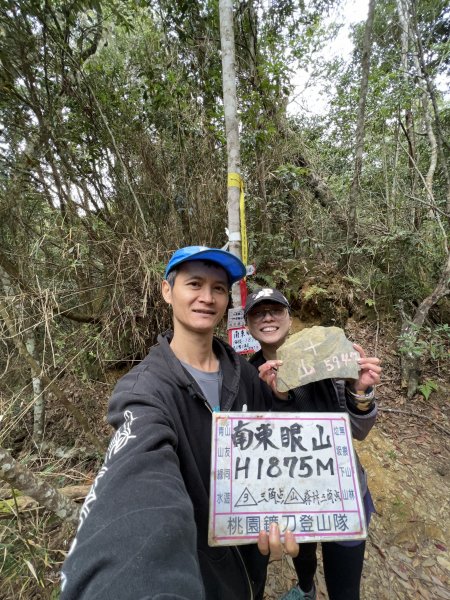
(427, 387)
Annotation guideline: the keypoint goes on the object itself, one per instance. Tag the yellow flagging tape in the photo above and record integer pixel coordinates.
(235, 180)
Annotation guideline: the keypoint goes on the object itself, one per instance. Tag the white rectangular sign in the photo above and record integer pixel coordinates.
(297, 469)
(242, 342)
(235, 318)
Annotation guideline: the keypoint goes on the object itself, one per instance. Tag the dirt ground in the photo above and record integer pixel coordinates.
(406, 456)
(407, 549)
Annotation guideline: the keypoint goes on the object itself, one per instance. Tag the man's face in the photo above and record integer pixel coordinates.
(199, 296)
(269, 323)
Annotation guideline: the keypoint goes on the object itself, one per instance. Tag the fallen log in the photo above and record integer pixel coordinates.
(37, 491)
(11, 505)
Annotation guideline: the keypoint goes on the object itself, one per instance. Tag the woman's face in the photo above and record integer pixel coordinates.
(269, 323)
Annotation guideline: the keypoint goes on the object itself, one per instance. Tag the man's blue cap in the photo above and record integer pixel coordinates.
(232, 264)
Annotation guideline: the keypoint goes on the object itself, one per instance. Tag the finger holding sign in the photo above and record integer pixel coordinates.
(269, 369)
(290, 545)
(275, 545)
(268, 373)
(370, 370)
(263, 542)
(270, 543)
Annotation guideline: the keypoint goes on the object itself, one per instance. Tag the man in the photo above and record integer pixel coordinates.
(144, 527)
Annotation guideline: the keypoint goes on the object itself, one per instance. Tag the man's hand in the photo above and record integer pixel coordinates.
(270, 543)
(370, 372)
(268, 373)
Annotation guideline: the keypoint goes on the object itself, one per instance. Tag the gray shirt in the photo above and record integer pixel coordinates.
(209, 383)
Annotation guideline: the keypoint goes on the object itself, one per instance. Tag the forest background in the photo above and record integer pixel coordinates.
(113, 154)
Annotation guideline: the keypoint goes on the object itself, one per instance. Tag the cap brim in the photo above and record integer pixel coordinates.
(233, 265)
(262, 300)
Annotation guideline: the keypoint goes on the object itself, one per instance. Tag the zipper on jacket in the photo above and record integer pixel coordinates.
(194, 394)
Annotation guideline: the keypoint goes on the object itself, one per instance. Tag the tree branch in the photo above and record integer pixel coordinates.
(414, 414)
(27, 482)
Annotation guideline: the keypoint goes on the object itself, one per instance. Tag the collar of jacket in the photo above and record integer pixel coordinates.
(229, 363)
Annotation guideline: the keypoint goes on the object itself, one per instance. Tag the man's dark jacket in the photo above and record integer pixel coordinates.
(144, 527)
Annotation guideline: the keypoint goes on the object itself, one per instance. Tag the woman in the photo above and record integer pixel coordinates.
(268, 319)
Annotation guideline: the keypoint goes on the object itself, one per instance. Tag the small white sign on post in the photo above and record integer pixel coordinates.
(235, 318)
(241, 341)
(295, 469)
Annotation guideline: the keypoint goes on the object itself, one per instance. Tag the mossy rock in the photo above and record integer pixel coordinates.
(324, 303)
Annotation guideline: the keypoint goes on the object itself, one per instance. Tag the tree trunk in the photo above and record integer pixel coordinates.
(413, 216)
(409, 41)
(393, 206)
(38, 394)
(431, 138)
(252, 48)
(411, 330)
(432, 94)
(24, 480)
(360, 128)
(232, 131)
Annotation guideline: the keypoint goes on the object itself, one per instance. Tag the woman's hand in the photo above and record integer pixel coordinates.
(370, 371)
(270, 543)
(268, 373)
